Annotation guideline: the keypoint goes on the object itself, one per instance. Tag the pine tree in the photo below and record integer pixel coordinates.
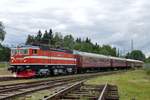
(78, 40)
(45, 38)
(30, 40)
(50, 33)
(39, 36)
(2, 32)
(88, 40)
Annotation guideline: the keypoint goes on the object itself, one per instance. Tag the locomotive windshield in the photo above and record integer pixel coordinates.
(21, 51)
(14, 51)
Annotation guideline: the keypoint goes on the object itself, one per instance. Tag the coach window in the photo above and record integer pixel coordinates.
(34, 51)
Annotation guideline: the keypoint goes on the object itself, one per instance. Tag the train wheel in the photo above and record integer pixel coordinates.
(69, 70)
(44, 72)
(55, 71)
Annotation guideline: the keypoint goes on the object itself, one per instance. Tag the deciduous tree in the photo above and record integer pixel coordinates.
(2, 32)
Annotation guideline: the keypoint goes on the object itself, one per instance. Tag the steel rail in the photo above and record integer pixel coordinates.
(102, 95)
(62, 92)
(41, 85)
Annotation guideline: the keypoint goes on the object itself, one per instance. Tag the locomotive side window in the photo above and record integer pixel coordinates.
(34, 51)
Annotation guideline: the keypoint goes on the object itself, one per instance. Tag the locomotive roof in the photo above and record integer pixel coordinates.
(55, 49)
(43, 48)
(90, 54)
(102, 56)
(117, 58)
(132, 60)
(26, 47)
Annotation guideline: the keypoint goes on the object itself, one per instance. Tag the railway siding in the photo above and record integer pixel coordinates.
(79, 91)
(14, 90)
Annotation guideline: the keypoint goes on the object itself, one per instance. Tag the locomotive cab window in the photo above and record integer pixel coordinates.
(34, 51)
(14, 51)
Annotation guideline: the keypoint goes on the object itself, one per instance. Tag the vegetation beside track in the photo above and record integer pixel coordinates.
(41, 94)
(2, 65)
(51, 77)
(3, 68)
(147, 70)
(133, 85)
(4, 71)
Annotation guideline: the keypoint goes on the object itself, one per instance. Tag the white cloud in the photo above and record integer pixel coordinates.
(114, 22)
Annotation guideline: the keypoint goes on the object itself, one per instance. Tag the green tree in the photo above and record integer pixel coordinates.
(136, 54)
(68, 42)
(51, 38)
(108, 50)
(77, 46)
(96, 48)
(4, 53)
(30, 39)
(2, 32)
(45, 38)
(88, 40)
(39, 36)
(58, 40)
(78, 40)
(86, 47)
(147, 60)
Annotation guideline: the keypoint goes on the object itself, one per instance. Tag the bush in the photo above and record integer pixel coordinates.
(4, 53)
(147, 70)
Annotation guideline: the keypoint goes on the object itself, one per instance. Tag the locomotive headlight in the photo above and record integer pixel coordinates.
(25, 60)
(12, 59)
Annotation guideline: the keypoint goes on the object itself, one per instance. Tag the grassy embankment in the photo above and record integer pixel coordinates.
(2, 65)
(3, 69)
(132, 85)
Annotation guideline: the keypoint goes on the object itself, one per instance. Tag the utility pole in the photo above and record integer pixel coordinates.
(118, 53)
(132, 45)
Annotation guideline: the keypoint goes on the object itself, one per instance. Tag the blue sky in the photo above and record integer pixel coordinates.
(114, 22)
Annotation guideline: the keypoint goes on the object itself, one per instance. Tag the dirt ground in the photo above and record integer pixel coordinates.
(4, 71)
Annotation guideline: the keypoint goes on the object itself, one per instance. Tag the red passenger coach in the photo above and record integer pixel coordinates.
(134, 63)
(91, 61)
(33, 60)
(118, 62)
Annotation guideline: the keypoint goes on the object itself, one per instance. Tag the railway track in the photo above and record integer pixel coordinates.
(79, 91)
(7, 78)
(14, 90)
(12, 78)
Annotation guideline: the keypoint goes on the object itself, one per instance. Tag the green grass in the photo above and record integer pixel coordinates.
(131, 85)
(3, 69)
(2, 65)
(147, 70)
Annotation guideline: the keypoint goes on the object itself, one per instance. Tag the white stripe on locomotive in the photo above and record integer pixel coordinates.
(53, 58)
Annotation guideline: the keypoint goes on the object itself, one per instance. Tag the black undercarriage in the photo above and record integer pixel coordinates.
(51, 70)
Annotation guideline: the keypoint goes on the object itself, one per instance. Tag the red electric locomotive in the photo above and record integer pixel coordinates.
(31, 61)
